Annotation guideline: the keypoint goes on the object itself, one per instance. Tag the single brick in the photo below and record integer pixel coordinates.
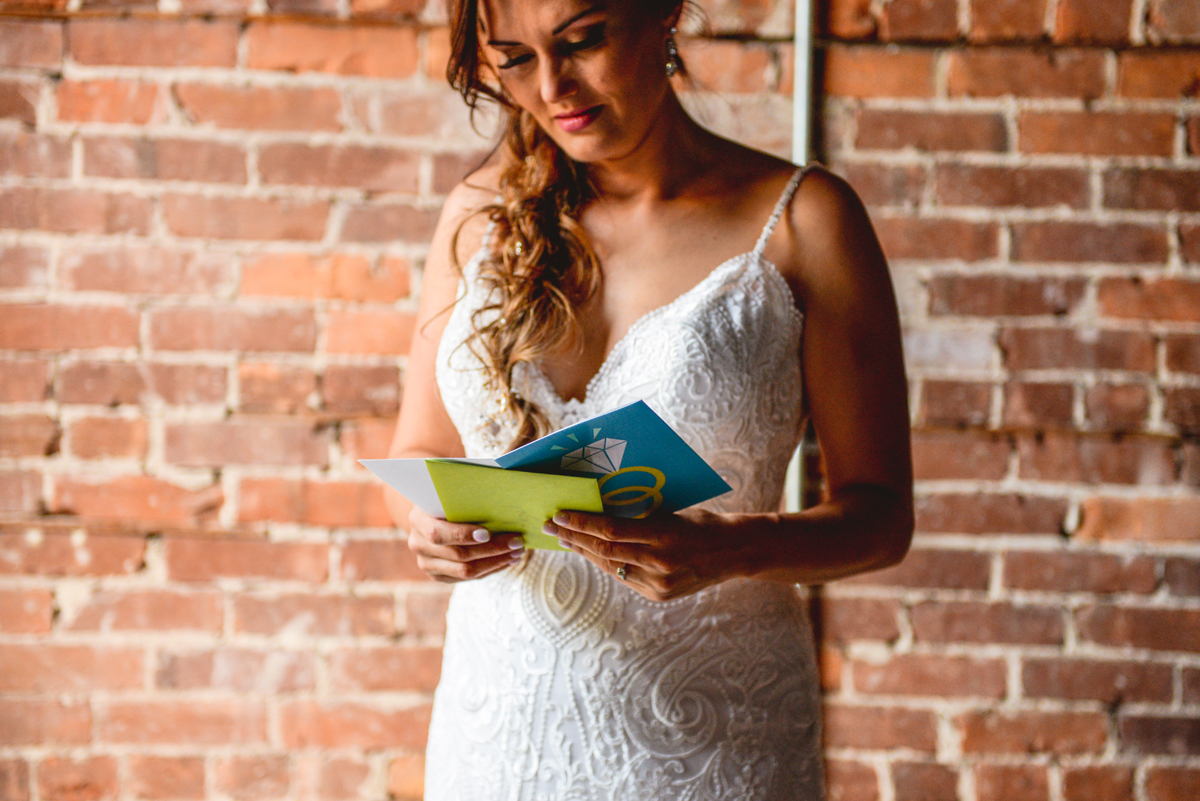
(108, 437)
(1049, 348)
(1083, 459)
(308, 724)
(370, 51)
(919, 20)
(962, 455)
(255, 776)
(932, 568)
(140, 498)
(166, 778)
(1117, 407)
(270, 387)
(57, 328)
(1097, 680)
(376, 169)
(337, 276)
(980, 622)
(928, 675)
(1141, 519)
(271, 108)
(267, 672)
(1149, 73)
(31, 155)
(192, 722)
(1097, 133)
(1082, 21)
(74, 211)
(875, 72)
(352, 389)
(1169, 736)
(996, 72)
(851, 619)
(226, 328)
(145, 271)
(1007, 20)
(847, 726)
(1171, 21)
(997, 187)
(314, 615)
(924, 131)
(1140, 627)
(391, 668)
(132, 42)
(962, 404)
(200, 560)
(110, 101)
(1098, 783)
(989, 513)
(1012, 783)
(1029, 731)
(382, 331)
(250, 440)
(1079, 571)
(31, 43)
(45, 668)
(1003, 295)
(245, 217)
(66, 779)
(164, 159)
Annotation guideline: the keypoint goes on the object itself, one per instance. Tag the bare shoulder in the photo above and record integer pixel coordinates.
(830, 240)
(461, 225)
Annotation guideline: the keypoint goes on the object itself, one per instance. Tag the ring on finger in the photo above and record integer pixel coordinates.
(622, 572)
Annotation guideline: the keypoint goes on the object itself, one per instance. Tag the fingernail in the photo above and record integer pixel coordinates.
(516, 557)
(481, 535)
(549, 528)
(560, 517)
(565, 544)
(516, 542)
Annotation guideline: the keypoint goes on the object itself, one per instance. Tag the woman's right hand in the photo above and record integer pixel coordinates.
(453, 552)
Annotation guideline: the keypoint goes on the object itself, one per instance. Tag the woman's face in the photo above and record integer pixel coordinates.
(590, 73)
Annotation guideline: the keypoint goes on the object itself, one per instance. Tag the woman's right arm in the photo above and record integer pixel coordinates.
(446, 551)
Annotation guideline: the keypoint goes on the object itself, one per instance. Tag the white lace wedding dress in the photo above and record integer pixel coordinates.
(559, 682)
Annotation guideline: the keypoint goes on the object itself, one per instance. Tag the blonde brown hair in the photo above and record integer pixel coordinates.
(541, 268)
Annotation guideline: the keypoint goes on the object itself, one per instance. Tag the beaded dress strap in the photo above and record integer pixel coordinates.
(780, 206)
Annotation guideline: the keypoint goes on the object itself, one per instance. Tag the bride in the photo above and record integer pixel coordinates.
(613, 250)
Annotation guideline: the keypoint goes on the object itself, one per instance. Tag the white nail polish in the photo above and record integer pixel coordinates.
(481, 535)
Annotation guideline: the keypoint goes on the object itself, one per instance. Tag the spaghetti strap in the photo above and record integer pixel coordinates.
(780, 206)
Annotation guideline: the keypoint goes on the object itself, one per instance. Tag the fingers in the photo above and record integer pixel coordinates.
(446, 570)
(603, 527)
(498, 545)
(460, 551)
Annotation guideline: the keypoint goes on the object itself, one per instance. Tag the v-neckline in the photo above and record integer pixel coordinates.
(606, 364)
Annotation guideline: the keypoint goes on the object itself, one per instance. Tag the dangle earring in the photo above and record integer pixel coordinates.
(673, 62)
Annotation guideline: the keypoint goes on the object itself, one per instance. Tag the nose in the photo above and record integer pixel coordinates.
(556, 80)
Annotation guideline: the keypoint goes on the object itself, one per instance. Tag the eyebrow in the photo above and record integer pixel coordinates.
(562, 27)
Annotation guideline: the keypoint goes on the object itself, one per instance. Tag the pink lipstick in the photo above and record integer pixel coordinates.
(578, 120)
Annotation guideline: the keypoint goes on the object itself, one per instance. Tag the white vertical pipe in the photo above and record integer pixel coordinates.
(802, 81)
(801, 151)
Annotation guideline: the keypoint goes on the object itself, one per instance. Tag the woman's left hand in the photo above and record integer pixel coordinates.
(664, 556)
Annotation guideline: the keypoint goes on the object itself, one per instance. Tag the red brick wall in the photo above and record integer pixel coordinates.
(212, 223)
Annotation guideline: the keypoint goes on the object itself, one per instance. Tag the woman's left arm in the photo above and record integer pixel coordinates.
(857, 395)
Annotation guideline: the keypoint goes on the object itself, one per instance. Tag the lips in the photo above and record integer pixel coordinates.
(574, 121)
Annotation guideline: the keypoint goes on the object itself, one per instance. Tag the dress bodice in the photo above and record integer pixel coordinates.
(560, 682)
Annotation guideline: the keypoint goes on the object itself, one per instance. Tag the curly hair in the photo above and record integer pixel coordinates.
(541, 267)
